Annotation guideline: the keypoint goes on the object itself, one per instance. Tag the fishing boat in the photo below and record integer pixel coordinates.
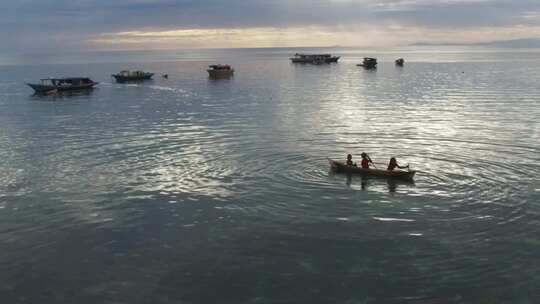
(126, 76)
(400, 62)
(369, 63)
(220, 71)
(314, 58)
(341, 167)
(53, 85)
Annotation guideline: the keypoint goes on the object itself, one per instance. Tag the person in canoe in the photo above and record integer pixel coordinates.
(366, 160)
(349, 161)
(394, 164)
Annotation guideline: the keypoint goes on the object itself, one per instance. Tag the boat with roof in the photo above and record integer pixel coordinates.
(220, 70)
(369, 63)
(52, 85)
(127, 75)
(314, 58)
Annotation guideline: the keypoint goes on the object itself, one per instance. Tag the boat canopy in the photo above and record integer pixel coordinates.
(220, 66)
(129, 73)
(70, 80)
(313, 55)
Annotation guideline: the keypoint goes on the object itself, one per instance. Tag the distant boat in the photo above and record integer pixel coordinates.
(314, 58)
(125, 76)
(220, 71)
(400, 62)
(166, 76)
(340, 167)
(52, 85)
(369, 63)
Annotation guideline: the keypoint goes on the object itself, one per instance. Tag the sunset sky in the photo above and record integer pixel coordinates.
(48, 25)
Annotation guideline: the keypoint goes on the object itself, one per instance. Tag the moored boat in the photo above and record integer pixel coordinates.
(369, 63)
(220, 71)
(126, 75)
(314, 58)
(52, 85)
(341, 167)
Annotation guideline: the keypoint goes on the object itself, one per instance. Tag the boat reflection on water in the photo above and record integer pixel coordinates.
(394, 184)
(366, 182)
(135, 81)
(62, 95)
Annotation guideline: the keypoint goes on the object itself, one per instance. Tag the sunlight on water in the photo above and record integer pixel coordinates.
(134, 190)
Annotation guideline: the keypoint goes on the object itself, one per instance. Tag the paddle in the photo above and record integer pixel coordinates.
(369, 159)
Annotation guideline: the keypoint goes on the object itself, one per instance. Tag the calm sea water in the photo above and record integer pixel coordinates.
(191, 190)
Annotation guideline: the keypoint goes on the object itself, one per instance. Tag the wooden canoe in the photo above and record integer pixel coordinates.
(341, 167)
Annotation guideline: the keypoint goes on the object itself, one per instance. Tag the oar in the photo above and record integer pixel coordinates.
(369, 158)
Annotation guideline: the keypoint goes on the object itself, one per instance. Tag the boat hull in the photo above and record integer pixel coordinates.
(220, 73)
(122, 78)
(44, 89)
(332, 59)
(340, 167)
(367, 66)
(315, 60)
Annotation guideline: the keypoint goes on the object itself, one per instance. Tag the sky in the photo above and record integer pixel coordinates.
(47, 25)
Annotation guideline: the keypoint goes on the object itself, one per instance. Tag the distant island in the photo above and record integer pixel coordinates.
(514, 43)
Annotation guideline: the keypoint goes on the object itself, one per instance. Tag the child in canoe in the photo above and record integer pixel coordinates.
(393, 164)
(365, 160)
(349, 161)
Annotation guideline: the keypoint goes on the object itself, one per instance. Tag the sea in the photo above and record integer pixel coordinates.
(196, 190)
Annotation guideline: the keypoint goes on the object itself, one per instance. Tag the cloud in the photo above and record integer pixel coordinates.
(365, 36)
(50, 24)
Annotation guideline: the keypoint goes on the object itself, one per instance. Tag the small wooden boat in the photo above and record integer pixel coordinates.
(368, 63)
(126, 76)
(220, 71)
(53, 85)
(341, 167)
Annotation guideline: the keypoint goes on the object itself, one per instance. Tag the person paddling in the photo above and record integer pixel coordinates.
(394, 164)
(349, 161)
(366, 160)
